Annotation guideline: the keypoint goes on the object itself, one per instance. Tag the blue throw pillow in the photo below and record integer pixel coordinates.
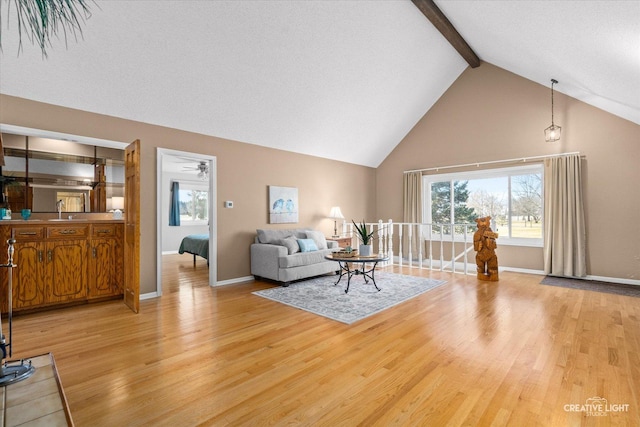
(307, 245)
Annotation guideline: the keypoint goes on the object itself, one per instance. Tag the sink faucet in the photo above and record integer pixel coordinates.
(59, 205)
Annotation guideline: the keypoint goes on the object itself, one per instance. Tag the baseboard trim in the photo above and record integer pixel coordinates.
(521, 270)
(234, 281)
(614, 280)
(149, 295)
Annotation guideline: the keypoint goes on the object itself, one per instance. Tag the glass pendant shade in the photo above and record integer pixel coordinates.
(552, 133)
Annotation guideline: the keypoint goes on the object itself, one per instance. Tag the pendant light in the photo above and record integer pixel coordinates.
(552, 133)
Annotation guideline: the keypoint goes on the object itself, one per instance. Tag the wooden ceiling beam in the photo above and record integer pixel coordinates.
(442, 23)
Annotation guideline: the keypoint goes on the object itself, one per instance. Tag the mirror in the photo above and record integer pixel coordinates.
(38, 172)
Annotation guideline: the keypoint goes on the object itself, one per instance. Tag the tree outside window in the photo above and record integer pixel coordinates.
(511, 196)
(449, 205)
(527, 203)
(194, 206)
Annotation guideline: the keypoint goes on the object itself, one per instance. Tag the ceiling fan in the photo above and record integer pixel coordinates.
(202, 168)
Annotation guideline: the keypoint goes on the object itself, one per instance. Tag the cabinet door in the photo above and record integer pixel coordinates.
(66, 271)
(28, 286)
(103, 269)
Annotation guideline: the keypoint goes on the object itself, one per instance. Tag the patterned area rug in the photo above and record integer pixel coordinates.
(320, 296)
(593, 285)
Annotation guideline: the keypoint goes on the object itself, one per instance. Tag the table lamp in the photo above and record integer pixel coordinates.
(335, 215)
(117, 203)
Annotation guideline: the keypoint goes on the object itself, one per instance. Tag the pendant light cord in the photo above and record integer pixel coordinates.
(553, 81)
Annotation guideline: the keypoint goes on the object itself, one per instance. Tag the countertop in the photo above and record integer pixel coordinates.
(60, 221)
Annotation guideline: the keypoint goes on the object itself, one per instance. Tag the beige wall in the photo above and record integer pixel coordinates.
(487, 114)
(491, 114)
(243, 173)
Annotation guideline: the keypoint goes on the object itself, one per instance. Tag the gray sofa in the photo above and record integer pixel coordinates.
(285, 255)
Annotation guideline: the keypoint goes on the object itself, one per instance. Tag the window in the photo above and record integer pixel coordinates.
(194, 203)
(511, 196)
(73, 201)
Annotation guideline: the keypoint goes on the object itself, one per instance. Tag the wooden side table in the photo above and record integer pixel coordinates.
(343, 242)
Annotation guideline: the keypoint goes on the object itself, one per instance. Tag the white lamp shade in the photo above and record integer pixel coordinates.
(117, 202)
(336, 213)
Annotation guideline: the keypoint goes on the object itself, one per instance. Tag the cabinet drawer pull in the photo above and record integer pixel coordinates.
(107, 231)
(49, 255)
(27, 233)
(67, 231)
(95, 253)
(39, 256)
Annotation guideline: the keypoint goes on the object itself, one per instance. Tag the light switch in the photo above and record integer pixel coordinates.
(228, 204)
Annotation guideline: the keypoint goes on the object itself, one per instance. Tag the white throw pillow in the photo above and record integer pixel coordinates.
(318, 237)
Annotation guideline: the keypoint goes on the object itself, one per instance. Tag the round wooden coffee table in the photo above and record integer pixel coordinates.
(346, 270)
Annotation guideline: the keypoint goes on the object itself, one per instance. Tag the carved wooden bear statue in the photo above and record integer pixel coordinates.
(484, 242)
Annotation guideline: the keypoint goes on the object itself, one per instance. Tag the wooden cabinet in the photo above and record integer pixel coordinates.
(63, 263)
(343, 242)
(105, 261)
(28, 280)
(66, 270)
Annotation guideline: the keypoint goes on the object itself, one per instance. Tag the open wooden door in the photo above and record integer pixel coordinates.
(132, 226)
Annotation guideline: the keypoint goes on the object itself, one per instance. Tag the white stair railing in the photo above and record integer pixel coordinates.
(454, 238)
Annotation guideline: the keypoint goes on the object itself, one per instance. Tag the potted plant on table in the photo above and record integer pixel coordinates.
(366, 238)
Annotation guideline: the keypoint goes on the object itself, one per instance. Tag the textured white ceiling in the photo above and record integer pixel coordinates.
(338, 79)
(591, 47)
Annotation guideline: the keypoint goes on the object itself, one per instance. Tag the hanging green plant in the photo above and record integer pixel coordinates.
(41, 19)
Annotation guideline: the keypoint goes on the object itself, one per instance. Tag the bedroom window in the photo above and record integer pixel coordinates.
(194, 203)
(511, 196)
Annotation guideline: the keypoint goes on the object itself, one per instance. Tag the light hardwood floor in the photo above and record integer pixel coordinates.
(511, 352)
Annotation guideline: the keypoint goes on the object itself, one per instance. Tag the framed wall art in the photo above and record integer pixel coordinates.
(283, 205)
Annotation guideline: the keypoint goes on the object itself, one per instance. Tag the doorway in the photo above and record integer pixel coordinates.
(196, 176)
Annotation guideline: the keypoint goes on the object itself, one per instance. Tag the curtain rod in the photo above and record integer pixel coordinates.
(477, 164)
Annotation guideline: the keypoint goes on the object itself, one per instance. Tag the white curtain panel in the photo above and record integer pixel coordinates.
(564, 233)
(412, 210)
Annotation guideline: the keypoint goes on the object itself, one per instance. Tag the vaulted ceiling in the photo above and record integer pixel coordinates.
(344, 80)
